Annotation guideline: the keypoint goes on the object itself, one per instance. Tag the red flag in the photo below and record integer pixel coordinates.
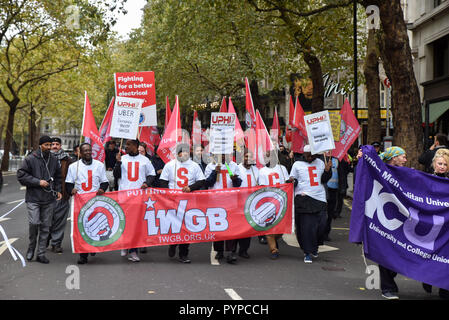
(196, 129)
(150, 136)
(167, 112)
(274, 132)
(351, 128)
(298, 118)
(105, 127)
(172, 135)
(90, 131)
(291, 113)
(263, 141)
(250, 113)
(297, 141)
(205, 137)
(223, 107)
(238, 132)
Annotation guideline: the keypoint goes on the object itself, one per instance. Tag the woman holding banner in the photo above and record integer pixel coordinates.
(440, 165)
(394, 156)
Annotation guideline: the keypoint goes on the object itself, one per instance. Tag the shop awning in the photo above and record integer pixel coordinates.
(436, 110)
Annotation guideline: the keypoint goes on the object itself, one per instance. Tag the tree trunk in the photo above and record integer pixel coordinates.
(398, 63)
(316, 74)
(9, 134)
(33, 134)
(371, 72)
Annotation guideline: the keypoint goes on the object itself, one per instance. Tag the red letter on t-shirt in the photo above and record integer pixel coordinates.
(136, 171)
(312, 176)
(274, 175)
(182, 174)
(89, 182)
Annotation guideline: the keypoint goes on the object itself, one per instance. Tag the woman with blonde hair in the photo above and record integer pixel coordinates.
(440, 165)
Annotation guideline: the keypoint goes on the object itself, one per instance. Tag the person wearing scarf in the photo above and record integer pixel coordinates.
(61, 212)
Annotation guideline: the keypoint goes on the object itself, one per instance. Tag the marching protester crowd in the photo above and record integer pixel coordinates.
(52, 176)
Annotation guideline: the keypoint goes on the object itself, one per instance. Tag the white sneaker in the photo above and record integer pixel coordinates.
(133, 257)
(124, 252)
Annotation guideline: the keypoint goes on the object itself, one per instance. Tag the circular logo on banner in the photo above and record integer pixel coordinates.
(101, 221)
(141, 118)
(265, 208)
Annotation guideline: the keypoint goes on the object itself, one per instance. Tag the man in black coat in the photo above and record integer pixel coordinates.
(41, 174)
(426, 157)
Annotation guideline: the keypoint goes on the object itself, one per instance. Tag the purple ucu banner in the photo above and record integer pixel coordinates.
(402, 217)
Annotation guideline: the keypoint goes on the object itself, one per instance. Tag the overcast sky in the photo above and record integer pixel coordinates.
(132, 19)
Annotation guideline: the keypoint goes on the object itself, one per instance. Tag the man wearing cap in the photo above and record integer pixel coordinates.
(41, 174)
(61, 211)
(376, 146)
(183, 174)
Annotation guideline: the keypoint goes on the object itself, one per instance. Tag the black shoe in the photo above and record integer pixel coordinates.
(143, 250)
(184, 259)
(390, 295)
(427, 287)
(82, 260)
(92, 254)
(56, 249)
(444, 294)
(263, 240)
(42, 259)
(171, 251)
(30, 254)
(244, 255)
(219, 255)
(231, 258)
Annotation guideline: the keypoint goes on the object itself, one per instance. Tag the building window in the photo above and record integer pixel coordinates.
(441, 57)
(436, 3)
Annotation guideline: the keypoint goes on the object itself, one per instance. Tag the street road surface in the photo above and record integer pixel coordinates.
(338, 273)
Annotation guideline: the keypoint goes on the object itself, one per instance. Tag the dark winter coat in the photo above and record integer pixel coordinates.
(35, 168)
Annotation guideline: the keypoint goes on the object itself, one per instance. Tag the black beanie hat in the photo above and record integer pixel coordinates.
(44, 139)
(56, 139)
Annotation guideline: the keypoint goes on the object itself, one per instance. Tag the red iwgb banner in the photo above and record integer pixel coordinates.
(152, 217)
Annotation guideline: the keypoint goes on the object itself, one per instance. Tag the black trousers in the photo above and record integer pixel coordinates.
(183, 249)
(310, 229)
(226, 245)
(331, 209)
(243, 245)
(387, 283)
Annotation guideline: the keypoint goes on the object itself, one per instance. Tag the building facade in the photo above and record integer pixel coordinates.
(428, 22)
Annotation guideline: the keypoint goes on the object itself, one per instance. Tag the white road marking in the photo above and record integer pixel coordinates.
(348, 203)
(4, 219)
(15, 201)
(233, 294)
(4, 247)
(290, 239)
(213, 261)
(23, 188)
